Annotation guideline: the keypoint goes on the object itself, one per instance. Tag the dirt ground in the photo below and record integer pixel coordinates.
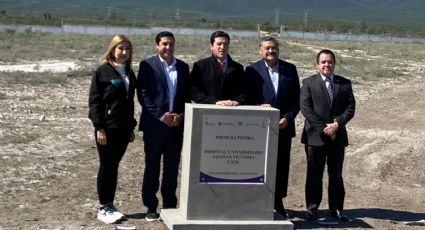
(49, 161)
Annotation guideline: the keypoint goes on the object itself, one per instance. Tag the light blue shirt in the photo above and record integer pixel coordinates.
(274, 76)
(171, 75)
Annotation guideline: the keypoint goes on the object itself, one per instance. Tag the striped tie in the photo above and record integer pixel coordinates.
(329, 87)
(221, 65)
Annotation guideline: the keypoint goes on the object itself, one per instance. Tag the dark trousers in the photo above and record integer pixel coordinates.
(331, 154)
(282, 170)
(167, 142)
(110, 156)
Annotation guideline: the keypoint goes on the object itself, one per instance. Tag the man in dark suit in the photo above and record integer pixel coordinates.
(218, 79)
(275, 83)
(327, 103)
(162, 90)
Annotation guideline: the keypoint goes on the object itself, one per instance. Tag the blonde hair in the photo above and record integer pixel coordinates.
(109, 57)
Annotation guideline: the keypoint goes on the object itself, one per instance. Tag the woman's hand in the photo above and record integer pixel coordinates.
(101, 137)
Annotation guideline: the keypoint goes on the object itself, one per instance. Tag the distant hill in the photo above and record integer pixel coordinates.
(405, 13)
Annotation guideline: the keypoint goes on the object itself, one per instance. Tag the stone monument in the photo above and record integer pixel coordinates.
(228, 169)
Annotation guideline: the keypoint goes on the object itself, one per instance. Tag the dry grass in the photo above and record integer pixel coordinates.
(357, 60)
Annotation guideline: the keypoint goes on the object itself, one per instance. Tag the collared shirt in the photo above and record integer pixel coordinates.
(274, 76)
(327, 82)
(324, 78)
(225, 63)
(171, 75)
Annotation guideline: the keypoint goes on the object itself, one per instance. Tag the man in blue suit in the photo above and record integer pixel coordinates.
(162, 90)
(275, 83)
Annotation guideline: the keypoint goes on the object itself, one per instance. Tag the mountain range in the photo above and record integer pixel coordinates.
(406, 13)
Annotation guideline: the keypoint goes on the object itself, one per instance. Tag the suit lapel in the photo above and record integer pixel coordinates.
(336, 84)
(264, 72)
(323, 91)
(179, 78)
(282, 73)
(160, 69)
(216, 69)
(229, 67)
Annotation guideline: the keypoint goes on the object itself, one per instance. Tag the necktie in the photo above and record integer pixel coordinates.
(221, 65)
(329, 87)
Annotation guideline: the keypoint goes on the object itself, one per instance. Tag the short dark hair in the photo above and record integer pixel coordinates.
(325, 51)
(268, 38)
(164, 34)
(218, 34)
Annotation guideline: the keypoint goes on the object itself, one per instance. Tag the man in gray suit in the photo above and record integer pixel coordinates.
(327, 103)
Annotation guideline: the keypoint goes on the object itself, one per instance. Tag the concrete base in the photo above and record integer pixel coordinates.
(175, 221)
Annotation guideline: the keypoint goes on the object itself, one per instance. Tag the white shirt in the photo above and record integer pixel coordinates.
(171, 76)
(324, 78)
(327, 82)
(122, 72)
(274, 76)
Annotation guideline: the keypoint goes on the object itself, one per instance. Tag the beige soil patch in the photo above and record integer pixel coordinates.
(42, 66)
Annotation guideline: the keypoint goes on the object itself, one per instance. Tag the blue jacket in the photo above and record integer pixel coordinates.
(152, 91)
(261, 91)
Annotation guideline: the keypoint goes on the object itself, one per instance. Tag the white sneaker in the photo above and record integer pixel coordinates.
(118, 215)
(109, 215)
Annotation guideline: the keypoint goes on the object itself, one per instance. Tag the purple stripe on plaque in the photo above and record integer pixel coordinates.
(204, 178)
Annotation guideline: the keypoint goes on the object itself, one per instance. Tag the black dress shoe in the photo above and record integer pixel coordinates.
(284, 213)
(337, 214)
(289, 215)
(312, 214)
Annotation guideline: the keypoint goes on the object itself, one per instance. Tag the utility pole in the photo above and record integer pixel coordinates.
(305, 19)
(108, 14)
(25, 8)
(177, 17)
(276, 17)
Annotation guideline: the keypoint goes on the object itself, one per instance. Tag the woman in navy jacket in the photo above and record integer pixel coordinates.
(112, 114)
